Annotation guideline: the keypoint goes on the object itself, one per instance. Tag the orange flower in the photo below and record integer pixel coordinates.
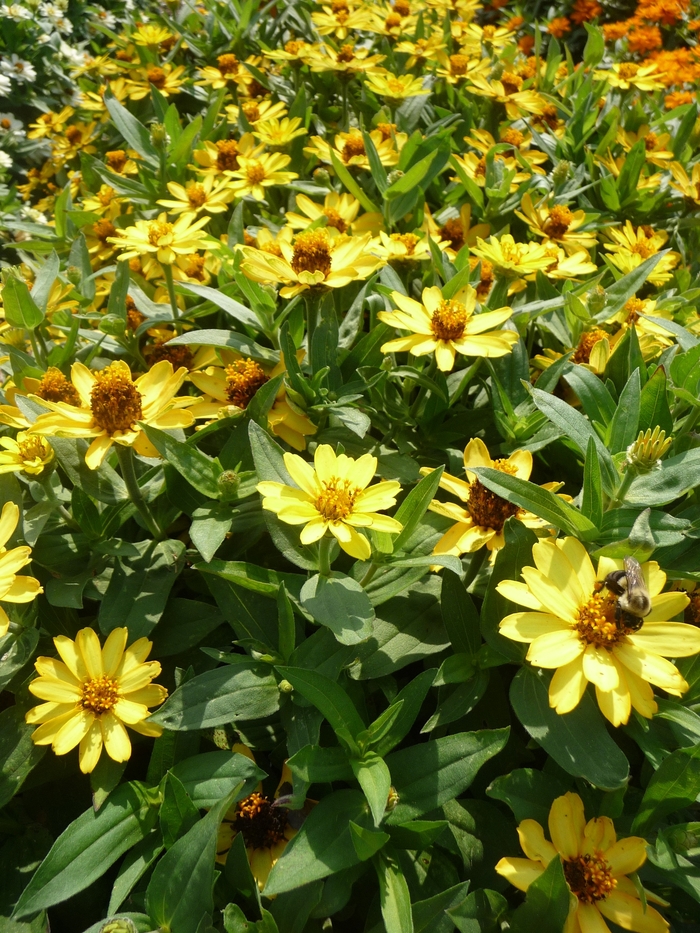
(585, 10)
(559, 26)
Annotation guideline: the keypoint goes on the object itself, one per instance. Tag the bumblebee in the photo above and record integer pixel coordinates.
(633, 600)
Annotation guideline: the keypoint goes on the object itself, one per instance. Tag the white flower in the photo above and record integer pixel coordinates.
(5, 159)
(105, 18)
(18, 68)
(15, 11)
(30, 213)
(11, 128)
(76, 57)
(5, 86)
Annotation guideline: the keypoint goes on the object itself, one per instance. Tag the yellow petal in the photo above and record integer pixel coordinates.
(627, 912)
(528, 626)
(130, 712)
(651, 667)
(315, 530)
(615, 704)
(72, 731)
(567, 824)
(599, 668)
(555, 649)
(641, 695)
(666, 606)
(71, 656)
(113, 650)
(97, 451)
(553, 562)
(627, 855)
(600, 834)
(302, 473)
(8, 522)
(115, 737)
(556, 600)
(521, 872)
(534, 844)
(90, 748)
(668, 639)
(519, 593)
(54, 691)
(567, 686)
(590, 920)
(89, 646)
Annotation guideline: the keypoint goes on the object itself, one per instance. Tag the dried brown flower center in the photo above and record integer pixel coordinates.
(588, 340)
(511, 82)
(354, 146)
(651, 141)
(178, 356)
(449, 320)
(73, 134)
(453, 231)
(54, 387)
(196, 195)
(195, 268)
(260, 822)
(228, 64)
(159, 231)
(589, 877)
(104, 228)
(628, 70)
(251, 111)
(337, 500)
(334, 220)
(558, 223)
(255, 173)
(346, 53)
(692, 610)
(100, 695)
(459, 64)
(312, 252)
(156, 76)
(243, 379)
(115, 401)
(34, 448)
(550, 115)
(116, 160)
(227, 156)
(486, 508)
(596, 624)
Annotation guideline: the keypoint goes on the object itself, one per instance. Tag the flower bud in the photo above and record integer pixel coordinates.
(228, 483)
(285, 686)
(561, 172)
(646, 452)
(113, 325)
(321, 176)
(74, 275)
(392, 799)
(596, 299)
(159, 136)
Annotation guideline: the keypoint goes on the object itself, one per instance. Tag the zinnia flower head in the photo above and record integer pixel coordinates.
(27, 454)
(572, 627)
(92, 693)
(164, 240)
(596, 865)
(333, 496)
(13, 588)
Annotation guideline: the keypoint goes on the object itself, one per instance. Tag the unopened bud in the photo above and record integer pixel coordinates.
(159, 135)
(285, 686)
(497, 71)
(321, 176)
(561, 172)
(387, 364)
(392, 799)
(74, 275)
(113, 325)
(646, 452)
(596, 299)
(228, 483)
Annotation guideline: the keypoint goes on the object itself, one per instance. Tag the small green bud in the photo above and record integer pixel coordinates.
(74, 275)
(596, 299)
(159, 136)
(228, 483)
(561, 172)
(321, 176)
(285, 686)
(113, 325)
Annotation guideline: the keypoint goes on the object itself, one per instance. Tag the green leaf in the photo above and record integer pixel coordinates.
(328, 697)
(592, 493)
(18, 754)
(316, 765)
(268, 457)
(243, 691)
(673, 479)
(324, 844)
(209, 776)
(411, 700)
(429, 914)
(250, 615)
(414, 507)
(417, 834)
(674, 786)
(597, 402)
(653, 407)
(178, 814)
(547, 903)
(458, 702)
(341, 604)
(394, 896)
(134, 133)
(199, 470)
(427, 776)
(232, 307)
(629, 173)
(352, 186)
(226, 338)
(375, 781)
(530, 794)
(287, 627)
(626, 287)
(180, 892)
(103, 484)
(481, 912)
(595, 45)
(410, 179)
(367, 842)
(578, 741)
(20, 308)
(136, 863)
(459, 615)
(88, 847)
(535, 499)
(622, 430)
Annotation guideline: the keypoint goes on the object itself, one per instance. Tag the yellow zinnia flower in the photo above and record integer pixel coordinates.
(113, 407)
(511, 259)
(28, 454)
(13, 588)
(625, 75)
(481, 519)
(396, 87)
(632, 245)
(165, 241)
(254, 175)
(350, 148)
(596, 865)
(446, 327)
(333, 496)
(573, 629)
(556, 223)
(275, 132)
(199, 196)
(339, 211)
(166, 77)
(92, 693)
(313, 260)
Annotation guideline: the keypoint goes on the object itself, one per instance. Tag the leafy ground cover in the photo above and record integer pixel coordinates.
(349, 467)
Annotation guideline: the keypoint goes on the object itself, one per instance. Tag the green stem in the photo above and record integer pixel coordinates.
(324, 556)
(168, 272)
(373, 568)
(311, 319)
(622, 489)
(60, 508)
(423, 390)
(126, 462)
(475, 565)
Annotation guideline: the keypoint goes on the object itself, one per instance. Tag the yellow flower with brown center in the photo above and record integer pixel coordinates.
(265, 828)
(167, 78)
(346, 61)
(13, 587)
(349, 148)
(113, 407)
(557, 223)
(688, 185)
(163, 240)
(333, 496)
(395, 88)
(121, 162)
(254, 175)
(151, 34)
(596, 865)
(479, 521)
(26, 454)
(93, 693)
(573, 628)
(507, 90)
(205, 195)
(446, 327)
(511, 259)
(631, 245)
(339, 212)
(312, 260)
(624, 75)
(277, 133)
(256, 111)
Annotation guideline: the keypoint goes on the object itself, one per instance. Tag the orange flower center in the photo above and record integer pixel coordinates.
(294, 46)
(449, 320)
(255, 173)
(116, 160)
(511, 83)
(73, 135)
(196, 195)
(115, 401)
(335, 220)
(261, 823)
(453, 231)
(156, 76)
(312, 252)
(105, 195)
(337, 500)
(243, 379)
(346, 53)
(178, 356)
(596, 623)
(488, 32)
(560, 218)
(628, 70)
(634, 308)
(54, 387)
(34, 448)
(392, 21)
(644, 248)
(651, 141)
(409, 240)
(159, 230)
(402, 7)
(514, 137)
(486, 508)
(104, 228)
(588, 340)
(227, 157)
(589, 877)
(354, 146)
(386, 129)
(459, 64)
(228, 64)
(486, 281)
(251, 111)
(99, 695)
